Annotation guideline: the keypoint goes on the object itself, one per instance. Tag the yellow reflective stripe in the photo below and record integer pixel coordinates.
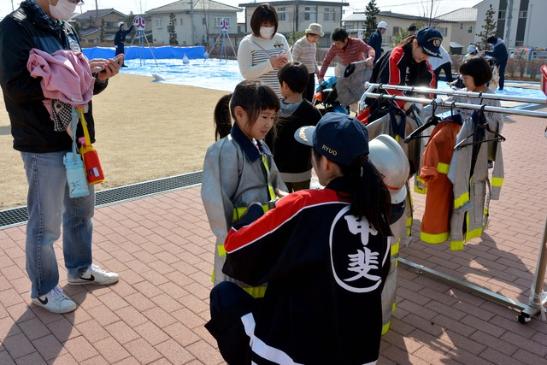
(461, 200)
(256, 291)
(394, 307)
(456, 246)
(221, 250)
(213, 276)
(267, 167)
(420, 186)
(443, 168)
(385, 328)
(474, 233)
(241, 211)
(395, 248)
(433, 238)
(497, 182)
(409, 222)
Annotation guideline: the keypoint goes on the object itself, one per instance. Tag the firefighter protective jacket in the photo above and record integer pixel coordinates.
(435, 225)
(234, 176)
(469, 174)
(325, 271)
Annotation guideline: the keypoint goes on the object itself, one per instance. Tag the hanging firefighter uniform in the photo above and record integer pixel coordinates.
(469, 175)
(435, 227)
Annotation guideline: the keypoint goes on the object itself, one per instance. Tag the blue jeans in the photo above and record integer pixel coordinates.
(47, 199)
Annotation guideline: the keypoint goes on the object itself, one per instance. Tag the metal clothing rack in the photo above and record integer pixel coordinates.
(538, 298)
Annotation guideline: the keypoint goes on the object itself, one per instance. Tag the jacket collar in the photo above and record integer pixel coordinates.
(37, 15)
(340, 184)
(249, 149)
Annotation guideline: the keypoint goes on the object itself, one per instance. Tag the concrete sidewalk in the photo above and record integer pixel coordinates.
(163, 249)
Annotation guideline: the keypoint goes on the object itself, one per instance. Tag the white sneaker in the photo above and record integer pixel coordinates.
(94, 275)
(55, 301)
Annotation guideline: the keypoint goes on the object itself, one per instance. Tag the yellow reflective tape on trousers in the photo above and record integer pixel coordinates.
(420, 186)
(461, 200)
(474, 233)
(385, 328)
(456, 246)
(221, 250)
(271, 190)
(395, 248)
(433, 238)
(443, 168)
(497, 182)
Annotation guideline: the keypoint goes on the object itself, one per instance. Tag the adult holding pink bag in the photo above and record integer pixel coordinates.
(42, 25)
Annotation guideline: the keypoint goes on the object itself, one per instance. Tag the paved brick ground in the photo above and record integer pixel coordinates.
(162, 248)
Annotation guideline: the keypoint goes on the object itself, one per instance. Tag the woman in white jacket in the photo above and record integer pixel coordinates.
(263, 52)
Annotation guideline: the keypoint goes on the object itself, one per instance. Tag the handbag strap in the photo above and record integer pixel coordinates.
(74, 127)
(84, 126)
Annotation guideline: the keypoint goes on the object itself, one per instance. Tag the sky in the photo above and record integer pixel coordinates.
(414, 7)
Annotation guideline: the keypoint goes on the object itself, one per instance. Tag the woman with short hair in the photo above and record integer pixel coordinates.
(263, 52)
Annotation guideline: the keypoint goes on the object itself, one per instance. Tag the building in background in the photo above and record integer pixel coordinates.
(520, 25)
(196, 21)
(98, 27)
(462, 27)
(397, 25)
(295, 16)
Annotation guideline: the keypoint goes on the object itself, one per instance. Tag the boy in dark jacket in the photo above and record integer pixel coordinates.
(292, 158)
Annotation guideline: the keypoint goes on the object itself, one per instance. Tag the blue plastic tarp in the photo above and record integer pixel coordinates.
(134, 52)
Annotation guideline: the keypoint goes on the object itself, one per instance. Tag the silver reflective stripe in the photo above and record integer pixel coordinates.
(265, 351)
(260, 348)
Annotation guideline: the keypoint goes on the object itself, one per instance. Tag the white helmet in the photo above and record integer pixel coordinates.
(390, 160)
(382, 25)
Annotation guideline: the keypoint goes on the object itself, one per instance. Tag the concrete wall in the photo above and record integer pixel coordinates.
(536, 27)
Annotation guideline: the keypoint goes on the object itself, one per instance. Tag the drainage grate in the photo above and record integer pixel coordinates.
(19, 215)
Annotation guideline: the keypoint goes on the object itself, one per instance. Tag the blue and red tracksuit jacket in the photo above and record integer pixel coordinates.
(325, 270)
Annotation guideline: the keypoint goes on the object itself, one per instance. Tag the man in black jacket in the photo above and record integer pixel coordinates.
(40, 24)
(119, 38)
(500, 54)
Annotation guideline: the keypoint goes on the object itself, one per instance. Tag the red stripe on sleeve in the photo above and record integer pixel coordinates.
(395, 77)
(286, 209)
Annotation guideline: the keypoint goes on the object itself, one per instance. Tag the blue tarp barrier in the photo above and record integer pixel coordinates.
(134, 52)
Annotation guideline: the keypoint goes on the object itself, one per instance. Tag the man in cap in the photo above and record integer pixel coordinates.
(375, 40)
(500, 54)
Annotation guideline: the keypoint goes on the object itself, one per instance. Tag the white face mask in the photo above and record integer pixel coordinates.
(267, 32)
(63, 10)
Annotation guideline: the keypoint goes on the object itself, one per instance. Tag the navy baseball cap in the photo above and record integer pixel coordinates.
(430, 39)
(337, 136)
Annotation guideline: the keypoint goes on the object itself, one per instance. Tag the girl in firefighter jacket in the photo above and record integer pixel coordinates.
(325, 256)
(239, 169)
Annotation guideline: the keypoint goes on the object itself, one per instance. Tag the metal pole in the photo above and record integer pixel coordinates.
(537, 296)
(427, 90)
(12, 8)
(493, 109)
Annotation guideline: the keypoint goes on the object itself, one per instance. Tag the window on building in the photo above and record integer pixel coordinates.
(521, 25)
(329, 14)
(158, 22)
(396, 30)
(282, 14)
(470, 30)
(500, 26)
(181, 22)
(461, 26)
(309, 13)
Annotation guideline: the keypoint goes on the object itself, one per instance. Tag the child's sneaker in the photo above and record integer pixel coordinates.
(55, 301)
(94, 275)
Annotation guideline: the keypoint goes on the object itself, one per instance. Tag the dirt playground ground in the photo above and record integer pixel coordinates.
(145, 130)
